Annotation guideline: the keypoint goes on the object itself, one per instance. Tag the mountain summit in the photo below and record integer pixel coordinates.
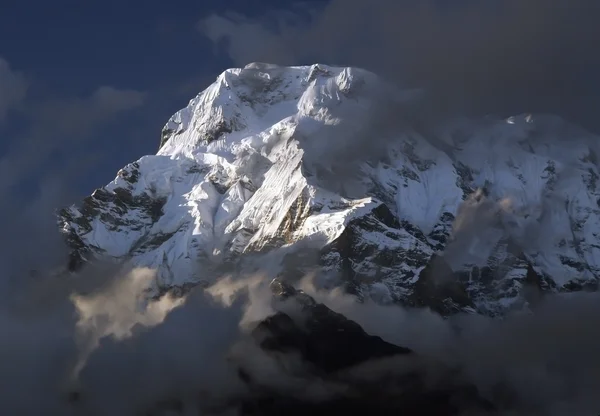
(322, 166)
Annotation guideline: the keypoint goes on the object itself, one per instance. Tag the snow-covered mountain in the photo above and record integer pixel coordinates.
(317, 166)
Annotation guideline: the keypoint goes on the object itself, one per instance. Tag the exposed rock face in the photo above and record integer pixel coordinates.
(275, 161)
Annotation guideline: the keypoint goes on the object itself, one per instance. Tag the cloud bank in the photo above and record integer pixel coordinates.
(133, 354)
(507, 56)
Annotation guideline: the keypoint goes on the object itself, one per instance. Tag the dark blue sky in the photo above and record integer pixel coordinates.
(72, 46)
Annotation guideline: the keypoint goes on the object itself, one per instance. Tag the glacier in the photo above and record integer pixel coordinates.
(288, 168)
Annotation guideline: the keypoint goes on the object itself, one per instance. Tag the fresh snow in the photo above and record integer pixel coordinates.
(250, 165)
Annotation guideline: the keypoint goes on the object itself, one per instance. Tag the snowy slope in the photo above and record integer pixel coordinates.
(284, 160)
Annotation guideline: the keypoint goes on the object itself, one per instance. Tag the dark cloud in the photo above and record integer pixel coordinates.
(80, 116)
(137, 354)
(13, 88)
(60, 122)
(57, 123)
(546, 358)
(506, 56)
(95, 332)
(30, 238)
(41, 166)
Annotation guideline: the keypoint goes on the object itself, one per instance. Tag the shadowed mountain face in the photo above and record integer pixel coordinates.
(323, 338)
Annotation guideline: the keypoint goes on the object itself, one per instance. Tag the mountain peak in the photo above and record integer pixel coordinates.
(270, 163)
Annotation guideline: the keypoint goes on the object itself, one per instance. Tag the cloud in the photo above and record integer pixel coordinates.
(30, 239)
(80, 116)
(41, 166)
(117, 310)
(249, 40)
(148, 351)
(55, 123)
(513, 55)
(543, 362)
(13, 88)
(97, 333)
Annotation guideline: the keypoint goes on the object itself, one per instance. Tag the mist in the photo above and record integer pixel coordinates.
(544, 362)
(94, 344)
(473, 57)
(100, 347)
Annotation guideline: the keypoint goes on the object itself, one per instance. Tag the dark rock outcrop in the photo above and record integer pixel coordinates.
(326, 339)
(332, 346)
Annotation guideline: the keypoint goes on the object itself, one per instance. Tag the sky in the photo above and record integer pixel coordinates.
(85, 87)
